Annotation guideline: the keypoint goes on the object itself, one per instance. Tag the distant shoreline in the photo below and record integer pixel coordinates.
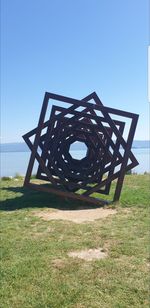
(22, 147)
(28, 150)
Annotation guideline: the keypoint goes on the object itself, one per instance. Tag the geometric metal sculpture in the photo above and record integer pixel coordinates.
(100, 128)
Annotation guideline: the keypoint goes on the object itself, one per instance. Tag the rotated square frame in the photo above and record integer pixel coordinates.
(106, 111)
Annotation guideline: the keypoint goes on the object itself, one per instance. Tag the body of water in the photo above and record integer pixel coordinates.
(17, 162)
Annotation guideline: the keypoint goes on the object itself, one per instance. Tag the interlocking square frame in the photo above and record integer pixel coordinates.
(90, 122)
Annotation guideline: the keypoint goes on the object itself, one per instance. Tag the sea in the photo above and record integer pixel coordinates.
(13, 163)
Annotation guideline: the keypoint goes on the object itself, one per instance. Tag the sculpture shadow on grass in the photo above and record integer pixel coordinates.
(23, 198)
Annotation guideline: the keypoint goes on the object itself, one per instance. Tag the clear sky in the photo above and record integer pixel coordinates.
(72, 47)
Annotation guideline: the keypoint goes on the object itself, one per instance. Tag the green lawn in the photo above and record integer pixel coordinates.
(36, 270)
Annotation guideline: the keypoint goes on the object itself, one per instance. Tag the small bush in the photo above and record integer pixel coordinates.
(6, 178)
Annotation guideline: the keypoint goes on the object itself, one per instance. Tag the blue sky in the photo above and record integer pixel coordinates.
(72, 48)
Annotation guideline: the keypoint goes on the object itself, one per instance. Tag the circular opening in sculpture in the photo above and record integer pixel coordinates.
(78, 150)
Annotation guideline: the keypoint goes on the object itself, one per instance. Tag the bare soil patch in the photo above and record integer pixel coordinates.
(89, 254)
(77, 216)
(58, 263)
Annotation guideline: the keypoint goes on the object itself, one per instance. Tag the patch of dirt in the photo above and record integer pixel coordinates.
(49, 229)
(37, 234)
(58, 263)
(77, 216)
(148, 264)
(126, 210)
(89, 254)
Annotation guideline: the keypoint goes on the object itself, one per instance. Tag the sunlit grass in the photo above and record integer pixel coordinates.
(36, 270)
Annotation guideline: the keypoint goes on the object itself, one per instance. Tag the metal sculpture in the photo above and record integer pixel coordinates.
(100, 128)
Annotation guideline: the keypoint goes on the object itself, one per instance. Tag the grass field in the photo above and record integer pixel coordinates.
(36, 270)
